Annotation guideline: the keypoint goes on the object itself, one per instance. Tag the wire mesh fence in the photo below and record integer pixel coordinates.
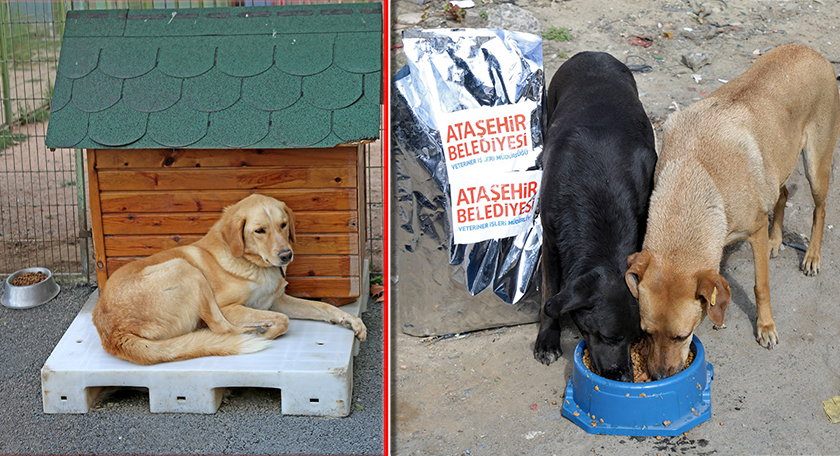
(39, 225)
(43, 206)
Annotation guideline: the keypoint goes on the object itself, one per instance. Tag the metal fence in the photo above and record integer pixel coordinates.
(43, 194)
(39, 223)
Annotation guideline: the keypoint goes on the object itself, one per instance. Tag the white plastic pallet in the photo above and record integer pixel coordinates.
(312, 365)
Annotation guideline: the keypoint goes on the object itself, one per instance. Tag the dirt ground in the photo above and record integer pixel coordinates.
(484, 394)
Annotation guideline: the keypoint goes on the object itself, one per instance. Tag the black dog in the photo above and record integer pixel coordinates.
(598, 167)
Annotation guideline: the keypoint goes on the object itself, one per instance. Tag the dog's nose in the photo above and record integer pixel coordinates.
(285, 256)
(616, 373)
(657, 376)
(626, 377)
(664, 372)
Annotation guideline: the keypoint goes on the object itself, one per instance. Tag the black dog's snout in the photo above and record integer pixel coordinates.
(623, 376)
(285, 256)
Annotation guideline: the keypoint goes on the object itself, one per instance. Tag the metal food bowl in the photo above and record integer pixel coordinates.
(24, 297)
(666, 407)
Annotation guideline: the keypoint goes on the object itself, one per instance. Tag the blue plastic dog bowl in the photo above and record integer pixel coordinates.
(666, 407)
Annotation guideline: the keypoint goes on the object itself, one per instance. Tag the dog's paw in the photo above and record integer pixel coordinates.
(775, 247)
(267, 329)
(356, 324)
(547, 352)
(258, 330)
(810, 265)
(768, 337)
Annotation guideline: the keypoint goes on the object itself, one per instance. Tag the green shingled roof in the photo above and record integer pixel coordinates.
(211, 78)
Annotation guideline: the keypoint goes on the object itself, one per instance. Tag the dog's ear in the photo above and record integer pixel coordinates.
(638, 264)
(233, 232)
(291, 222)
(714, 295)
(573, 296)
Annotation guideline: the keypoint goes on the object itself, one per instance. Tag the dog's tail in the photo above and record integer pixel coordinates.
(204, 342)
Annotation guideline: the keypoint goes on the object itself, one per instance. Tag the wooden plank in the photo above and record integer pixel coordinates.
(226, 178)
(100, 259)
(301, 266)
(323, 266)
(320, 287)
(139, 246)
(232, 158)
(214, 201)
(307, 244)
(200, 222)
(327, 244)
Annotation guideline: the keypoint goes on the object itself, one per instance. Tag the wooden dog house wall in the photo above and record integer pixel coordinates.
(183, 112)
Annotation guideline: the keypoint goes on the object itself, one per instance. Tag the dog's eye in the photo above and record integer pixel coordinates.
(283, 226)
(260, 230)
(680, 338)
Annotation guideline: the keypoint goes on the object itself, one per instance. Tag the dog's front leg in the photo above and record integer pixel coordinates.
(765, 324)
(817, 157)
(547, 346)
(315, 310)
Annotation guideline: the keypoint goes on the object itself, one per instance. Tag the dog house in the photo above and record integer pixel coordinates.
(182, 112)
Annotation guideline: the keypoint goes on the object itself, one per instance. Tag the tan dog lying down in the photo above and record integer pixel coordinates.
(723, 168)
(222, 295)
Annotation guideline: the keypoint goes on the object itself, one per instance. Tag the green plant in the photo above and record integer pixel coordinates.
(42, 114)
(68, 183)
(557, 34)
(9, 139)
(453, 12)
(30, 116)
(483, 15)
(563, 55)
(375, 279)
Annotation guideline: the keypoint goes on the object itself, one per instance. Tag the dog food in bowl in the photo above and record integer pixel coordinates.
(639, 355)
(29, 287)
(28, 278)
(666, 407)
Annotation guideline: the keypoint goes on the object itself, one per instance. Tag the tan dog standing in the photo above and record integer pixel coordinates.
(222, 295)
(722, 169)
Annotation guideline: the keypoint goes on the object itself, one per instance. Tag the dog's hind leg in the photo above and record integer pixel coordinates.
(547, 346)
(778, 218)
(263, 323)
(212, 315)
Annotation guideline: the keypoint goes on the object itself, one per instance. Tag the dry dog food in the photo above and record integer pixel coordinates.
(28, 278)
(639, 355)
